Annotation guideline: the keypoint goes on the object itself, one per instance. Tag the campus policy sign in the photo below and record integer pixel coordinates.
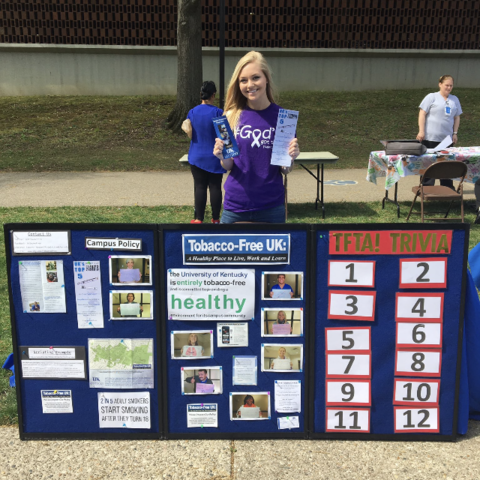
(198, 294)
(236, 249)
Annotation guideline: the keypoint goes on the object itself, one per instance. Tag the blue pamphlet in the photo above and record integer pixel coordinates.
(224, 132)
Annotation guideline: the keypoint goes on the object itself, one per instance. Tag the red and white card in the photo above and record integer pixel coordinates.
(350, 365)
(352, 339)
(351, 420)
(418, 363)
(423, 392)
(355, 392)
(351, 305)
(419, 335)
(344, 273)
(423, 273)
(415, 307)
(416, 420)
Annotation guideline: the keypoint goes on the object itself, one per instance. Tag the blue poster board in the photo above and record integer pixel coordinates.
(364, 321)
(435, 417)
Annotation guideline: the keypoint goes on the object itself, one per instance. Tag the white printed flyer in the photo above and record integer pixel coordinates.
(201, 294)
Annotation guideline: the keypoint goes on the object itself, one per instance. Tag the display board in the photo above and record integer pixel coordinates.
(388, 331)
(243, 291)
(85, 330)
(239, 331)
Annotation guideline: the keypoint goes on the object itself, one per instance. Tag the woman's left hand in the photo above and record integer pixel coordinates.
(454, 139)
(293, 149)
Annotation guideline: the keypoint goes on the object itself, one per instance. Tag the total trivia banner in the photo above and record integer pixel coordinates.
(197, 294)
(236, 249)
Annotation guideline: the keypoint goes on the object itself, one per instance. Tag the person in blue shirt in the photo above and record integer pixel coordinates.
(281, 285)
(206, 168)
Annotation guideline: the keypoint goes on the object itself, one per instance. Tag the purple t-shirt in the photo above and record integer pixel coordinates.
(254, 184)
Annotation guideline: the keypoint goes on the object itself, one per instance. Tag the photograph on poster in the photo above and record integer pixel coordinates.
(201, 381)
(125, 305)
(282, 358)
(232, 334)
(191, 345)
(130, 270)
(282, 285)
(282, 323)
(250, 406)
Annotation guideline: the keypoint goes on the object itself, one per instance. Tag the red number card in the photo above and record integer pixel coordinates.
(419, 307)
(423, 273)
(351, 305)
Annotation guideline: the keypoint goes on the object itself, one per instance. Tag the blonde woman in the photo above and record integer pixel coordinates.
(254, 189)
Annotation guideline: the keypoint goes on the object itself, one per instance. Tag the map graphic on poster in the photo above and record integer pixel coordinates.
(120, 362)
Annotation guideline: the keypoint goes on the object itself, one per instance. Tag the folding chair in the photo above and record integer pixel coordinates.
(440, 171)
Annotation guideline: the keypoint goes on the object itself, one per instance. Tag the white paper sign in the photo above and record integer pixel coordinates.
(287, 423)
(202, 415)
(53, 369)
(346, 305)
(232, 334)
(42, 286)
(351, 392)
(416, 391)
(244, 370)
(88, 294)
(419, 334)
(348, 420)
(41, 242)
(418, 363)
(351, 274)
(416, 419)
(56, 401)
(348, 364)
(205, 294)
(129, 309)
(43, 353)
(281, 364)
(420, 307)
(124, 410)
(425, 274)
(284, 134)
(347, 339)
(129, 275)
(288, 396)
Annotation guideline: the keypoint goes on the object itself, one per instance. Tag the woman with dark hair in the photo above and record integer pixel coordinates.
(248, 402)
(206, 168)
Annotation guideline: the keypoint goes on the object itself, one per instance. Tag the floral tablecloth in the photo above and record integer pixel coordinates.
(393, 167)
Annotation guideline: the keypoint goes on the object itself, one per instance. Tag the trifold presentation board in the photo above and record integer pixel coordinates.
(240, 331)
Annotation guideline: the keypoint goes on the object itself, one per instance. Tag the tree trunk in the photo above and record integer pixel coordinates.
(189, 54)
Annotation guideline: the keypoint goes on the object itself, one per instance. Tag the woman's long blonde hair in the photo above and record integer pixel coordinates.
(235, 101)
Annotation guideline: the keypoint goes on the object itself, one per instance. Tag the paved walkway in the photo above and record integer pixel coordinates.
(239, 459)
(174, 188)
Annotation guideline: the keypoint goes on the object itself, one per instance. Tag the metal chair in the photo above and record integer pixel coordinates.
(440, 171)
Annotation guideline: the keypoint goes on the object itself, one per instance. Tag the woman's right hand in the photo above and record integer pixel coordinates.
(421, 136)
(218, 149)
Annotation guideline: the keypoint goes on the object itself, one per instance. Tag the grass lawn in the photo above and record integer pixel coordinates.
(53, 133)
(338, 213)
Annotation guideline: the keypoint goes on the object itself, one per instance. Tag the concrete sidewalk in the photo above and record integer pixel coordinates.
(238, 459)
(176, 188)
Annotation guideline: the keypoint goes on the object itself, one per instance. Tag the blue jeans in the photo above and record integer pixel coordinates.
(270, 215)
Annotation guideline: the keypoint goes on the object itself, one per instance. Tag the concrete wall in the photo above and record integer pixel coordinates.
(34, 69)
